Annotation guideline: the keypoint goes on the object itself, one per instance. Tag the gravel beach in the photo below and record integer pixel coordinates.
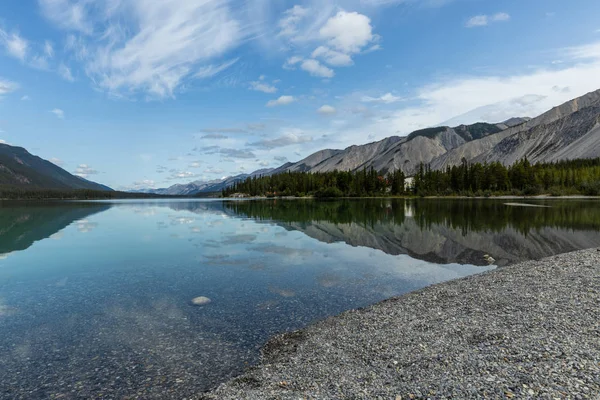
(531, 330)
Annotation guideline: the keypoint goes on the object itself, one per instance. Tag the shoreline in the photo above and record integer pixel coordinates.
(521, 331)
(501, 197)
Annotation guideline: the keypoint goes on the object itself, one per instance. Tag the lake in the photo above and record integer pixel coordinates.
(95, 297)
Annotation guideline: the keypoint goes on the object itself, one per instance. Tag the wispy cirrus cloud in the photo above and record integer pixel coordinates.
(387, 98)
(15, 45)
(60, 114)
(223, 130)
(287, 139)
(487, 98)
(7, 87)
(214, 136)
(150, 48)
(484, 20)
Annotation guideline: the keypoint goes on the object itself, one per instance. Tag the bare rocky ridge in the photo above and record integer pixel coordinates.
(516, 145)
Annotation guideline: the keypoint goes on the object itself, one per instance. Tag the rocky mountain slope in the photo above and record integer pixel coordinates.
(571, 130)
(19, 168)
(395, 152)
(551, 136)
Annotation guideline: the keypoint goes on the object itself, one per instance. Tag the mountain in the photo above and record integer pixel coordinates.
(19, 168)
(571, 130)
(212, 186)
(565, 132)
(393, 153)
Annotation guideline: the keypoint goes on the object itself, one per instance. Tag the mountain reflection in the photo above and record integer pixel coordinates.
(441, 231)
(24, 223)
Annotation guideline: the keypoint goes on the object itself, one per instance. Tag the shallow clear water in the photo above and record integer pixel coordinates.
(95, 297)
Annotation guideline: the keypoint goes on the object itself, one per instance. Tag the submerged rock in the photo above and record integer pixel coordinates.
(201, 301)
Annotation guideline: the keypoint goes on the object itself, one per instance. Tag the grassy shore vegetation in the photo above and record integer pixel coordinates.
(573, 177)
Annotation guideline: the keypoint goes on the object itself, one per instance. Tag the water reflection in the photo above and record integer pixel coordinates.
(440, 231)
(23, 223)
(102, 308)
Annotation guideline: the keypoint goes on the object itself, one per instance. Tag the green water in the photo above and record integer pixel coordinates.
(95, 297)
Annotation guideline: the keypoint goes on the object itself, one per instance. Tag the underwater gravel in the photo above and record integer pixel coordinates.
(531, 330)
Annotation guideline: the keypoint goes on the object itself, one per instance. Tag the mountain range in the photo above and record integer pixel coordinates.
(569, 131)
(20, 169)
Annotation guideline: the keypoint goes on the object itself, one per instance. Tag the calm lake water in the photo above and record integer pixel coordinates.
(95, 297)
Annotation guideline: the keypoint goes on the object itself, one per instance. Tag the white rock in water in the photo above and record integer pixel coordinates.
(201, 301)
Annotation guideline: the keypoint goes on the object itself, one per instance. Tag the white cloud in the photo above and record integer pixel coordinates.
(7, 87)
(483, 20)
(478, 20)
(65, 73)
(288, 25)
(68, 14)
(289, 138)
(501, 17)
(15, 45)
(144, 184)
(490, 98)
(214, 171)
(334, 35)
(176, 175)
(281, 101)
(347, 32)
(144, 47)
(326, 110)
(48, 49)
(57, 161)
(315, 68)
(262, 86)
(291, 62)
(387, 98)
(332, 57)
(211, 70)
(3, 141)
(59, 113)
(84, 170)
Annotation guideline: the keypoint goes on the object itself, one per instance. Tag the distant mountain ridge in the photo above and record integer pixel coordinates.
(568, 131)
(21, 169)
(197, 187)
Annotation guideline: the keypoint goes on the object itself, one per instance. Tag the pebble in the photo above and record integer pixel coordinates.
(201, 301)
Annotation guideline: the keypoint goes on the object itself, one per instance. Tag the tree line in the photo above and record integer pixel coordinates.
(468, 215)
(580, 176)
(20, 193)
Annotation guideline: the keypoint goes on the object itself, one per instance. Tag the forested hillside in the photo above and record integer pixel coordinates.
(467, 179)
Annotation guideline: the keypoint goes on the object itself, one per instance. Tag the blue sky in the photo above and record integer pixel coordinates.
(144, 93)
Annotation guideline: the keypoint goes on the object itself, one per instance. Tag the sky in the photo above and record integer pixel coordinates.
(146, 93)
